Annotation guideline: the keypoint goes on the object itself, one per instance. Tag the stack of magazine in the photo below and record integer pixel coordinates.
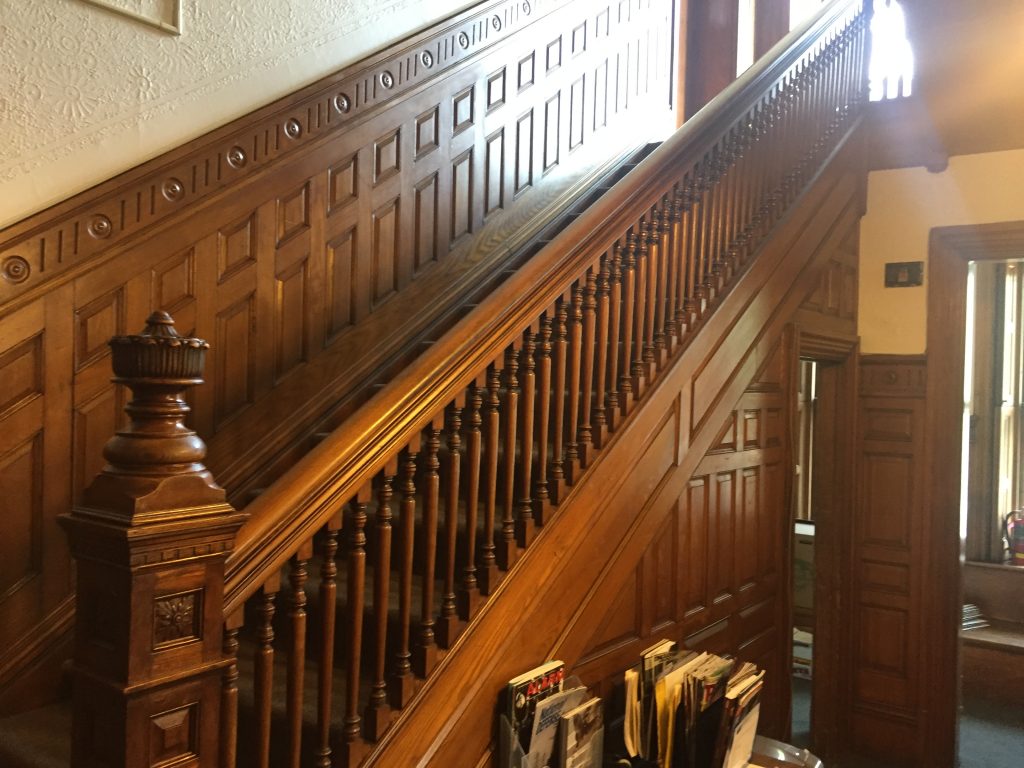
(549, 721)
(691, 710)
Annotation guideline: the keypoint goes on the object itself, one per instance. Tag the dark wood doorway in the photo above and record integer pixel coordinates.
(831, 504)
(950, 251)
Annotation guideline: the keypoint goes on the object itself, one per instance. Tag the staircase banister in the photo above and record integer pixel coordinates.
(305, 497)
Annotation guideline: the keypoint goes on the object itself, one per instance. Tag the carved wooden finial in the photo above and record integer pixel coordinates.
(155, 463)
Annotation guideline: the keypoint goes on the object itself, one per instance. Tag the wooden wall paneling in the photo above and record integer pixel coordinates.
(886, 615)
(36, 353)
(593, 546)
(282, 237)
(711, 578)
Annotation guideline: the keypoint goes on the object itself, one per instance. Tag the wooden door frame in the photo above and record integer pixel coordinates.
(830, 701)
(949, 251)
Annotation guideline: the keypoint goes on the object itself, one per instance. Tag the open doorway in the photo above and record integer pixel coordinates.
(822, 498)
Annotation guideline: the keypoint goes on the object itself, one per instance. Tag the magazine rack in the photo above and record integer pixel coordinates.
(510, 751)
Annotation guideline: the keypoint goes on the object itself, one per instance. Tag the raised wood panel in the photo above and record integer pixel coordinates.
(95, 323)
(235, 361)
(291, 340)
(524, 152)
(494, 176)
(462, 195)
(888, 507)
(426, 226)
(342, 301)
(21, 510)
(95, 421)
(236, 247)
(552, 131)
(661, 580)
(293, 214)
(693, 538)
(385, 251)
(21, 370)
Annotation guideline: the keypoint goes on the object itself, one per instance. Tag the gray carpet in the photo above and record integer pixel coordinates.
(991, 734)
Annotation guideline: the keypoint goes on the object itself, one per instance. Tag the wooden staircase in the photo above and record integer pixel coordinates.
(365, 607)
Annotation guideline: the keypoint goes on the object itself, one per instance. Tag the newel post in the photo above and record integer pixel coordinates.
(150, 538)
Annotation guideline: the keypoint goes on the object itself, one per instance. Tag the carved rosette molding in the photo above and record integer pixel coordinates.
(47, 244)
(176, 619)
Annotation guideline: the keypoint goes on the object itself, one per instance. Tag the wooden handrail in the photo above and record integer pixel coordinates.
(303, 500)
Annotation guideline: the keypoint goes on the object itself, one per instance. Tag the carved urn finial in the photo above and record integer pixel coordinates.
(155, 463)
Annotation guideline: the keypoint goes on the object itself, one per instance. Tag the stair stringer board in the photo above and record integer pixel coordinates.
(551, 604)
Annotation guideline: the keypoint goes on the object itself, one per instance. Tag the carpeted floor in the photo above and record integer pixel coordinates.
(991, 735)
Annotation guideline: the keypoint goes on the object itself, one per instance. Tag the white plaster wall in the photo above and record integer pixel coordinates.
(903, 206)
(86, 93)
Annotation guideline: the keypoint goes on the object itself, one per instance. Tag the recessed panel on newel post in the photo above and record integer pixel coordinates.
(150, 537)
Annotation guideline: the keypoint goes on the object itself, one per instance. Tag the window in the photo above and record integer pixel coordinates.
(992, 480)
(891, 69)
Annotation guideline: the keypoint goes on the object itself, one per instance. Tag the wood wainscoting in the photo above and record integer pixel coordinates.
(681, 527)
(284, 238)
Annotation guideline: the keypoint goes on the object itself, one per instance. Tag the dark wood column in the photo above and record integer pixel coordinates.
(711, 29)
(150, 538)
(771, 23)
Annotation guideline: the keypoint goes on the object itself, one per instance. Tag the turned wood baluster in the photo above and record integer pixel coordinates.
(599, 420)
(677, 316)
(761, 177)
(229, 695)
(572, 453)
(425, 657)
(612, 406)
(762, 198)
(402, 680)
(640, 368)
(559, 348)
(469, 592)
(749, 195)
(507, 551)
(297, 652)
(528, 379)
(731, 182)
(650, 354)
(628, 324)
(488, 563)
(663, 333)
(698, 211)
(378, 714)
(448, 619)
(541, 497)
(585, 434)
(713, 274)
(328, 610)
(263, 664)
(355, 605)
(686, 312)
(742, 177)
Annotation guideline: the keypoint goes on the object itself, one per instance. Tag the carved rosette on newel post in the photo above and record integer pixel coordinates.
(150, 538)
